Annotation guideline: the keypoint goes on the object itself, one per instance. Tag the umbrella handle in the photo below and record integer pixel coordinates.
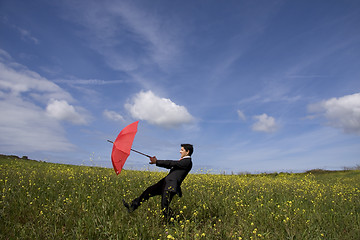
(134, 150)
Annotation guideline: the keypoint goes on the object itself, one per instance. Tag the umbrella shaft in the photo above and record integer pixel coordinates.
(140, 152)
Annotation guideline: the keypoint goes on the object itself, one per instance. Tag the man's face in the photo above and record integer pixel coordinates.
(183, 152)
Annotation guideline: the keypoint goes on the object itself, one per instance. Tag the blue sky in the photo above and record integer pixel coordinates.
(256, 86)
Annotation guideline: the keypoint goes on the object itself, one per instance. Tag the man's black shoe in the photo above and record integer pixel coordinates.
(129, 208)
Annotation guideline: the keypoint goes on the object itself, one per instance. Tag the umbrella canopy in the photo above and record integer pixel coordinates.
(122, 146)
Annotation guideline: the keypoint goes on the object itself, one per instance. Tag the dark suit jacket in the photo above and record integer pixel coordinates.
(177, 174)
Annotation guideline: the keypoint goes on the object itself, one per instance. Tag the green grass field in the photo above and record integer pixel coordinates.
(52, 201)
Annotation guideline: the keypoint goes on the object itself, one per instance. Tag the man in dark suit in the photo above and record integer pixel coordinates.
(169, 186)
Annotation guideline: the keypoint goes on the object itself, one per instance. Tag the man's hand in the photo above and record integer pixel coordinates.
(153, 160)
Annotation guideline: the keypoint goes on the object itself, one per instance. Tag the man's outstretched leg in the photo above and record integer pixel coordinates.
(151, 191)
(166, 198)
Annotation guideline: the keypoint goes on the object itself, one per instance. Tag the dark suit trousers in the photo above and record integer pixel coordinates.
(154, 190)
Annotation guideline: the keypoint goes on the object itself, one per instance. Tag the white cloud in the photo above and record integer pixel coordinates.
(112, 115)
(26, 35)
(343, 112)
(61, 110)
(241, 115)
(17, 80)
(159, 111)
(264, 123)
(73, 82)
(109, 25)
(162, 42)
(25, 125)
(4, 55)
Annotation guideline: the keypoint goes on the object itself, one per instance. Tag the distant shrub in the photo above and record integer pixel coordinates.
(317, 171)
(357, 167)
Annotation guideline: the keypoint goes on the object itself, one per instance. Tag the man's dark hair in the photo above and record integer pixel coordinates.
(188, 147)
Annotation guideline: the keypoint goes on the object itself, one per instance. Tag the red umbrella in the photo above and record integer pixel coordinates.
(122, 146)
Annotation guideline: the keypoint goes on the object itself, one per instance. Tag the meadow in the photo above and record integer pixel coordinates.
(42, 200)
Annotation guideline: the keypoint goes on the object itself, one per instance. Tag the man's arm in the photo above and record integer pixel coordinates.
(182, 164)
